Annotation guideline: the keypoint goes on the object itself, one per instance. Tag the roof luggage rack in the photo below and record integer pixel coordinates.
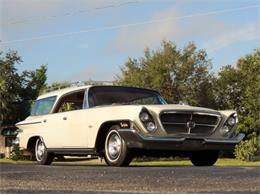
(63, 85)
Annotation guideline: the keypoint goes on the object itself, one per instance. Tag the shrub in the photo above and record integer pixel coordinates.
(247, 149)
(16, 154)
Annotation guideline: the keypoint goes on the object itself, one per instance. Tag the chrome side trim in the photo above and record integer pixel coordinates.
(72, 150)
(85, 100)
(30, 123)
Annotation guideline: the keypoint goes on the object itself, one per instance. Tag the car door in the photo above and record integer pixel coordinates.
(67, 126)
(66, 130)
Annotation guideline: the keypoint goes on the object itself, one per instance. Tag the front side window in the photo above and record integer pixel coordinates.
(43, 106)
(70, 102)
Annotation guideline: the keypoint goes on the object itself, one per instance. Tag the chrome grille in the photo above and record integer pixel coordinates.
(189, 122)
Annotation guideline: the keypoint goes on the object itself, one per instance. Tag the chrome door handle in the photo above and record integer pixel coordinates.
(64, 118)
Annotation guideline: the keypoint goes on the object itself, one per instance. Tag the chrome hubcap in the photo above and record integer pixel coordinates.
(114, 146)
(40, 149)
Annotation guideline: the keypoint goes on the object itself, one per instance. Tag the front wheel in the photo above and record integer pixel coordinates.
(43, 157)
(204, 158)
(116, 151)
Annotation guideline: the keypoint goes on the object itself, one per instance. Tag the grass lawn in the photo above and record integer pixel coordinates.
(96, 162)
(9, 161)
(220, 162)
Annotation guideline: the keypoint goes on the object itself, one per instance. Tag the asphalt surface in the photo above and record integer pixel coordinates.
(33, 178)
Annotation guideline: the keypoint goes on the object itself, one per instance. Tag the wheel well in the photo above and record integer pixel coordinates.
(101, 137)
(31, 143)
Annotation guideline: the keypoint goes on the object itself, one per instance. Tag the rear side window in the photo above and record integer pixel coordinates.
(43, 106)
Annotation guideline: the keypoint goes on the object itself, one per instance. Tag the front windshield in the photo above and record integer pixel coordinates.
(42, 106)
(111, 95)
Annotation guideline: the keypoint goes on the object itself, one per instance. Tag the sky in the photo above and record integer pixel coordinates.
(81, 40)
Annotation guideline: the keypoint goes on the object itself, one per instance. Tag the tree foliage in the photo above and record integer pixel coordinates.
(179, 74)
(17, 90)
(238, 88)
(9, 80)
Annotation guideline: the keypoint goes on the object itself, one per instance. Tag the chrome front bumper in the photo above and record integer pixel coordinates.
(134, 140)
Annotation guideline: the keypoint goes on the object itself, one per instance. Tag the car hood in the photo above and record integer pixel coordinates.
(176, 107)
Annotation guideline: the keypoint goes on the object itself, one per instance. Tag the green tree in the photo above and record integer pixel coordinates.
(179, 74)
(9, 81)
(17, 90)
(238, 87)
(31, 85)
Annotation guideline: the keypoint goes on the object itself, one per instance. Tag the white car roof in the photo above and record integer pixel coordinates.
(63, 91)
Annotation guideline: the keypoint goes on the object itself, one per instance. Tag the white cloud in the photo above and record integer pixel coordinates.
(233, 35)
(212, 32)
(150, 35)
(181, 28)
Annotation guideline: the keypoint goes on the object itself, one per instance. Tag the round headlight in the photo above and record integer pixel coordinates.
(150, 126)
(144, 116)
(224, 130)
(231, 121)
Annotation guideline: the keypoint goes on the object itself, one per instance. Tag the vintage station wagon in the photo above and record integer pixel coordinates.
(118, 123)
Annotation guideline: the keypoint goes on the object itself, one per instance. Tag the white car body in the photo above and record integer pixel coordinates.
(83, 130)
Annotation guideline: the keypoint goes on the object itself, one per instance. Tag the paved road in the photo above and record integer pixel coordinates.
(103, 179)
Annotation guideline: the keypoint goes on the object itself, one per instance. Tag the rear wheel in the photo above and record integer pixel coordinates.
(204, 158)
(43, 157)
(116, 151)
